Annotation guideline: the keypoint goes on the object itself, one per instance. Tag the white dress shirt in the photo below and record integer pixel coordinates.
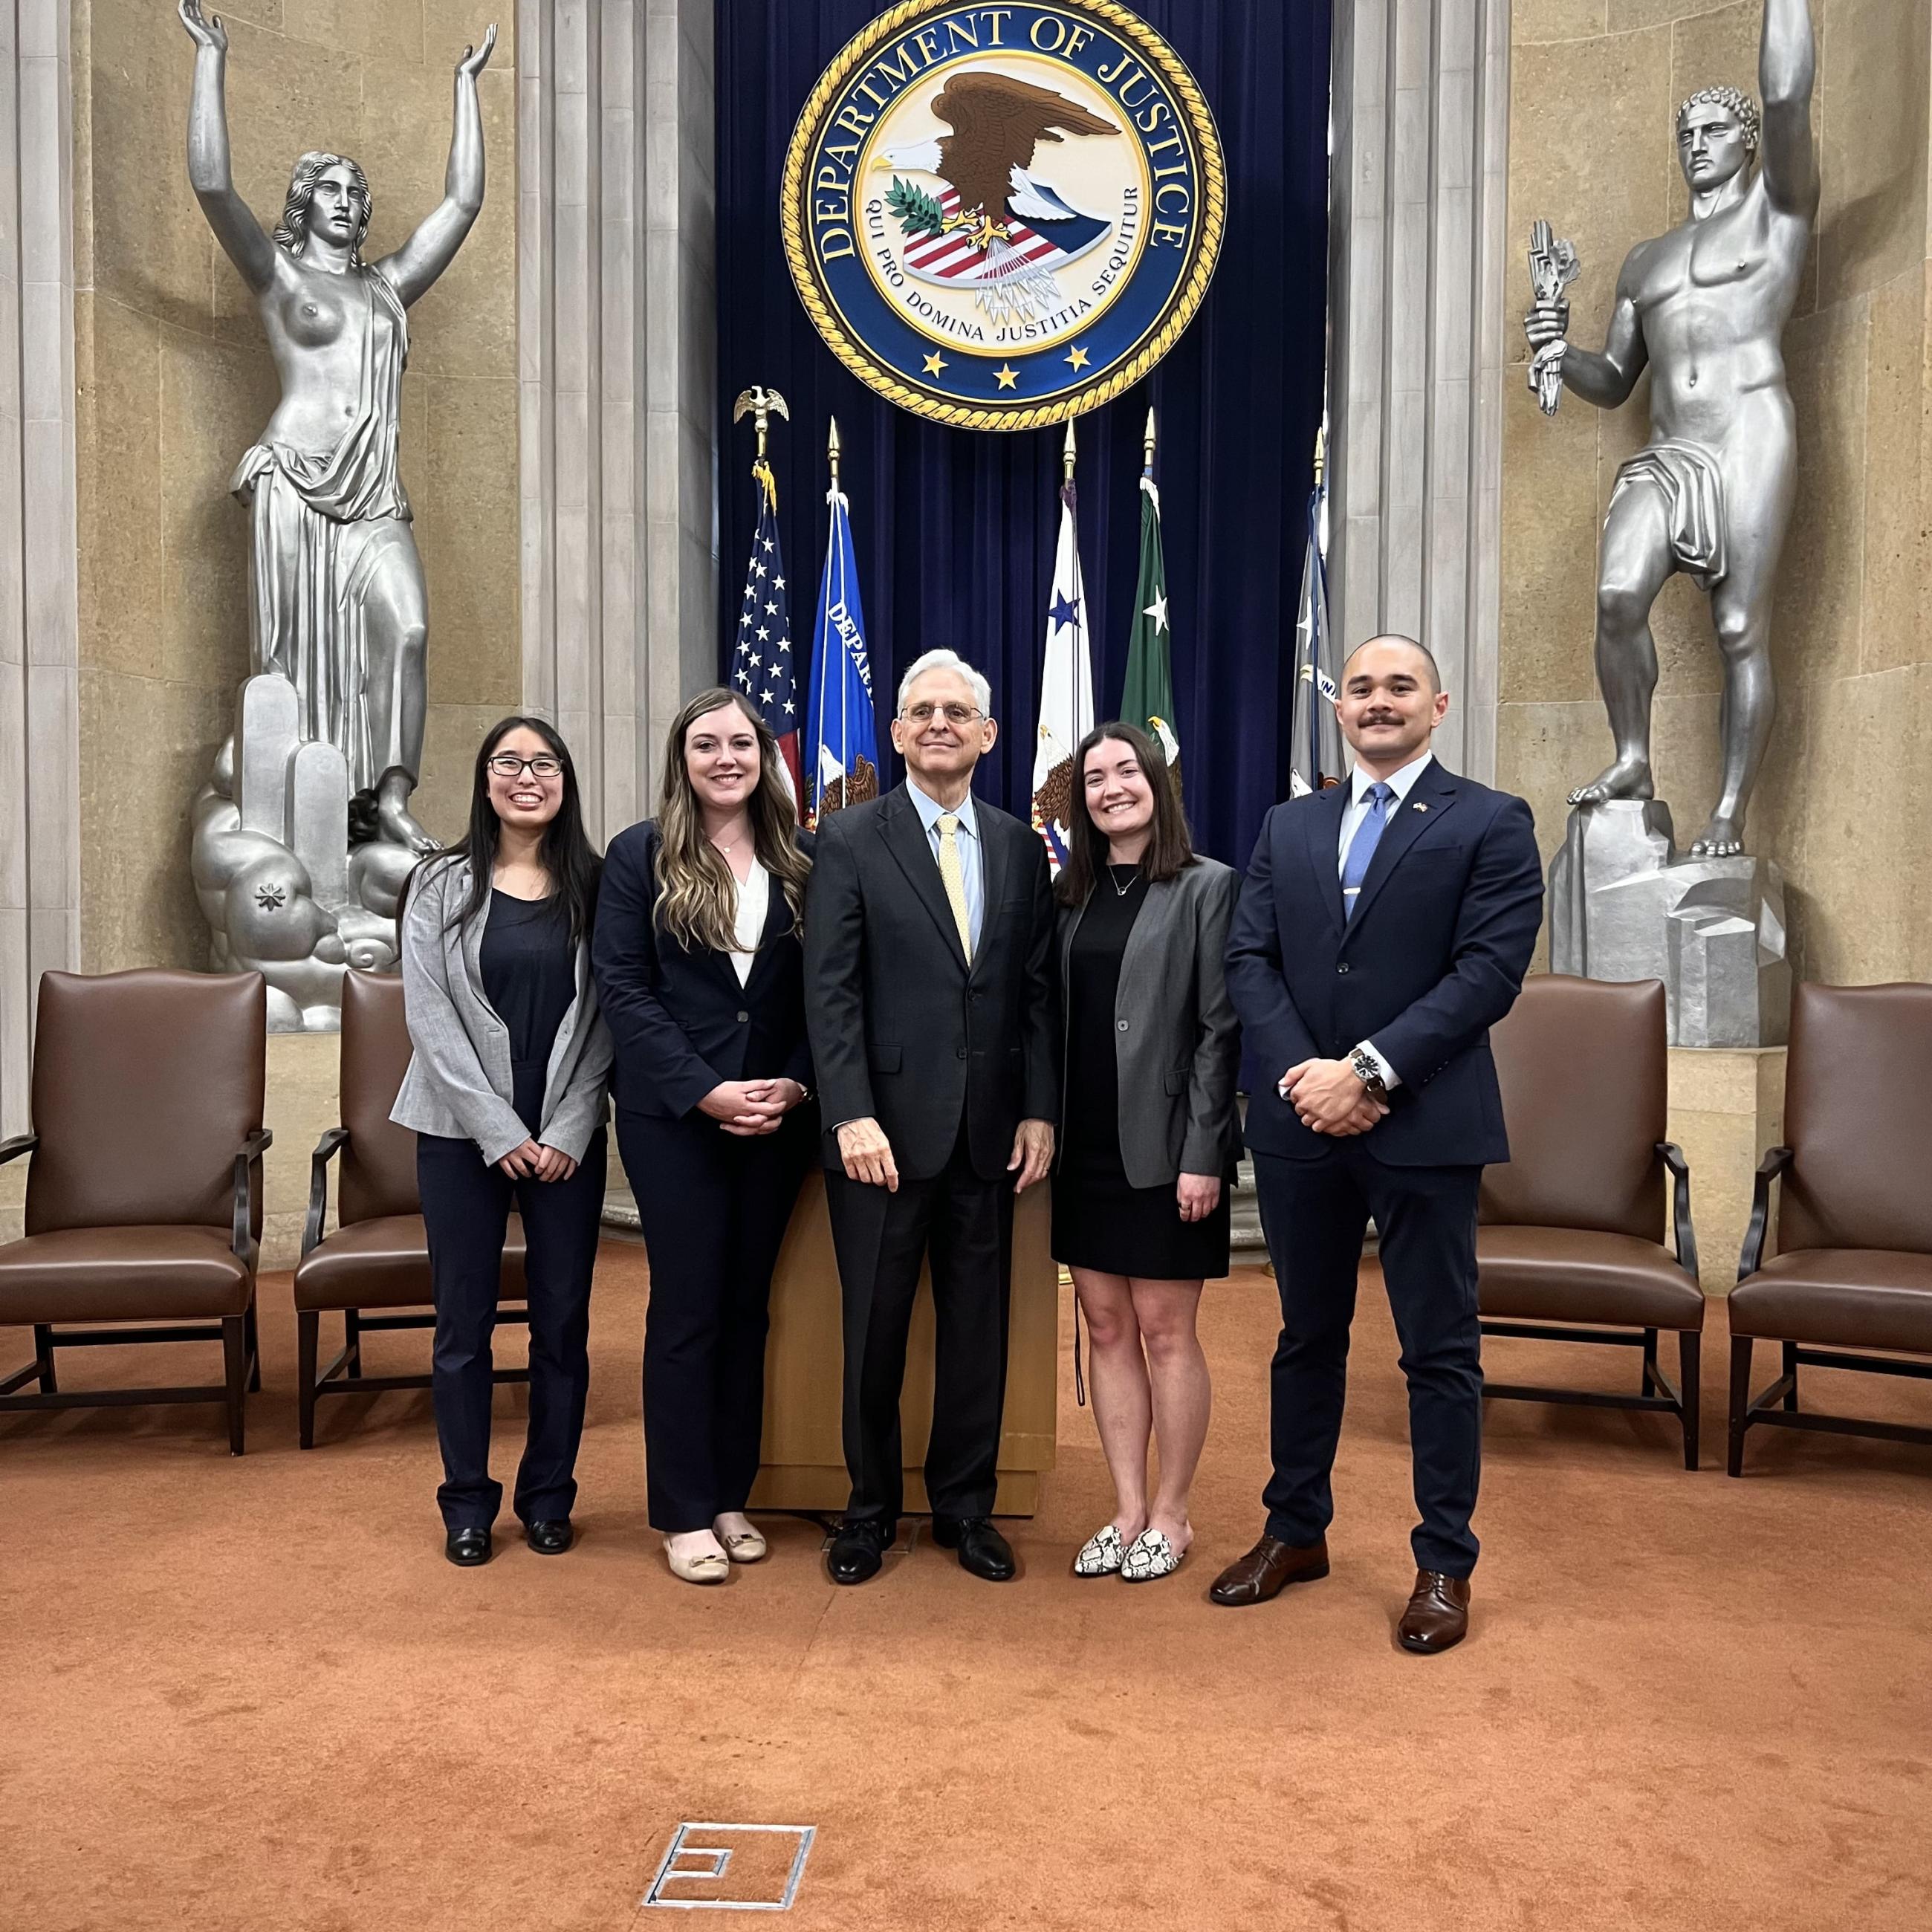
(754, 900)
(972, 861)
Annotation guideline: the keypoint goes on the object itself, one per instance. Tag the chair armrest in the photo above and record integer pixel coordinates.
(1672, 1156)
(326, 1149)
(248, 1187)
(20, 1144)
(1751, 1258)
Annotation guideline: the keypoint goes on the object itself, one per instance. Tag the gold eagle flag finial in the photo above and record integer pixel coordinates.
(761, 404)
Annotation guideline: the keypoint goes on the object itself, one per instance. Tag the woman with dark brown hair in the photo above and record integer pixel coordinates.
(699, 965)
(1149, 1138)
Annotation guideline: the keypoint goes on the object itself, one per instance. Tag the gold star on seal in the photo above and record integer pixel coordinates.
(1079, 358)
(934, 363)
(1007, 374)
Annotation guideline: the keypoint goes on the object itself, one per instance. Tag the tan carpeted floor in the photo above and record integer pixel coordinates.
(252, 1695)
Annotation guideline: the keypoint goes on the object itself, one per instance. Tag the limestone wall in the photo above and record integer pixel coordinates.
(1847, 787)
(175, 382)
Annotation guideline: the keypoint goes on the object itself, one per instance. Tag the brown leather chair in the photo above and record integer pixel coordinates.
(1853, 1270)
(144, 1187)
(1569, 1245)
(378, 1256)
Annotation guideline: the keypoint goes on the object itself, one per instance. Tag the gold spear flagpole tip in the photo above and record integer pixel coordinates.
(1068, 452)
(831, 443)
(1147, 441)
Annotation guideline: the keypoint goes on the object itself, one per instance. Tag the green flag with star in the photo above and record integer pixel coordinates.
(1148, 699)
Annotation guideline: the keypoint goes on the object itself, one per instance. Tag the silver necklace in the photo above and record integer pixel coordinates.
(1133, 879)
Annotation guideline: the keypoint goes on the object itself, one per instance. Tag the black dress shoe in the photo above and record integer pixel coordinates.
(549, 1539)
(467, 1547)
(859, 1549)
(982, 1549)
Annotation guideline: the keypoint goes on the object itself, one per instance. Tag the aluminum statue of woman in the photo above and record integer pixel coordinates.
(338, 605)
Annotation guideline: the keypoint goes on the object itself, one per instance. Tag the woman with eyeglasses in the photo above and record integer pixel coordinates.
(1150, 1138)
(506, 1093)
(698, 961)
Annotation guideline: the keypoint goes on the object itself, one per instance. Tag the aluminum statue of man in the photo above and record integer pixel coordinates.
(1704, 308)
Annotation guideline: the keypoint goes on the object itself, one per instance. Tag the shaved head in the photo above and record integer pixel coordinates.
(1421, 651)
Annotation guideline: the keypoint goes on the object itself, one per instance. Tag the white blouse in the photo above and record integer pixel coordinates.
(754, 898)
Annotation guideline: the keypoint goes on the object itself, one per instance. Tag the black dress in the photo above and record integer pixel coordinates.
(1100, 1220)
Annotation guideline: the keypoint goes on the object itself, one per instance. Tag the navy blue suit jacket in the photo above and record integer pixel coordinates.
(680, 1021)
(1444, 928)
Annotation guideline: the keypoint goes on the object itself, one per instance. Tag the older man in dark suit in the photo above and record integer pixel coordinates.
(1385, 927)
(929, 930)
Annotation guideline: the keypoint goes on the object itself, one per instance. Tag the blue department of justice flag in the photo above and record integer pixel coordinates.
(841, 738)
(761, 662)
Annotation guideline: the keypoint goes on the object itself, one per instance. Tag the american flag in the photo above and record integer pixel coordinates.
(761, 662)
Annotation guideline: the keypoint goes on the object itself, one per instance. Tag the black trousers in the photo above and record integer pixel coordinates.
(466, 1205)
(1314, 1213)
(966, 1224)
(714, 1209)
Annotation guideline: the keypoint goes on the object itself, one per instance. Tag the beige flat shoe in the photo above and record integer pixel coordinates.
(747, 1547)
(712, 1566)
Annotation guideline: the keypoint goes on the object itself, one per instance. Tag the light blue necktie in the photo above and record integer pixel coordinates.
(1362, 847)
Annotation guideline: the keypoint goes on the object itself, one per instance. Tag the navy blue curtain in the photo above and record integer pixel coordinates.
(956, 529)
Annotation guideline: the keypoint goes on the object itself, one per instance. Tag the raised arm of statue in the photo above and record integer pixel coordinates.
(412, 271)
(1787, 63)
(236, 228)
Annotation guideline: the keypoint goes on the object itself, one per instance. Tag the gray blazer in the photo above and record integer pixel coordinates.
(458, 1083)
(1177, 1042)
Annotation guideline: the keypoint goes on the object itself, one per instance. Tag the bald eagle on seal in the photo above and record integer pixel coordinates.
(998, 122)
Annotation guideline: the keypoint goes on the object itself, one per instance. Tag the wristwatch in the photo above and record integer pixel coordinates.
(1370, 1075)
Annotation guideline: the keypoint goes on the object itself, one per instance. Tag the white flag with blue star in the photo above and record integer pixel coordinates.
(1066, 692)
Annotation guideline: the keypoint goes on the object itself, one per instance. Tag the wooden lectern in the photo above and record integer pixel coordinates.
(804, 1466)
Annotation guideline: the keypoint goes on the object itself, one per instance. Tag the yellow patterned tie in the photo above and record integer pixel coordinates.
(954, 876)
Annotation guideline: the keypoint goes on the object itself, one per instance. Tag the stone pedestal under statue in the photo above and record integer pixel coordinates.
(1623, 904)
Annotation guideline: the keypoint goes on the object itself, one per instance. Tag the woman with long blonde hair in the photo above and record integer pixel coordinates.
(698, 963)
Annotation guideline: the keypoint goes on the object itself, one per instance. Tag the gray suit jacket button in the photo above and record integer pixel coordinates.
(742, 1017)
(1120, 1025)
(1343, 968)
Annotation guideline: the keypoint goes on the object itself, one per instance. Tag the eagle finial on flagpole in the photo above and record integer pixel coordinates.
(761, 405)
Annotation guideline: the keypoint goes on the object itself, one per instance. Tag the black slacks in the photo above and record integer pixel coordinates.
(1314, 1213)
(967, 1225)
(714, 1210)
(465, 1206)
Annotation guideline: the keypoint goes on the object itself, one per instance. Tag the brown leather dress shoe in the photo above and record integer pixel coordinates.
(1268, 1569)
(1437, 1616)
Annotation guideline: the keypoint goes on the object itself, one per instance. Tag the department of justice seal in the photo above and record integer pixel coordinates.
(999, 216)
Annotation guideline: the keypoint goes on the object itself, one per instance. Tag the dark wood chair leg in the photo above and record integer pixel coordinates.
(352, 1335)
(1790, 1368)
(308, 1330)
(1647, 1379)
(1690, 1354)
(1740, 1374)
(43, 1357)
(234, 1354)
(254, 1351)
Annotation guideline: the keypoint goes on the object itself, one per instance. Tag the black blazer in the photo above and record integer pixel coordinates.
(1444, 928)
(680, 1021)
(902, 1031)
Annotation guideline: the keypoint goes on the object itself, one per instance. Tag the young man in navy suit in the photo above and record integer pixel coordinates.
(1385, 926)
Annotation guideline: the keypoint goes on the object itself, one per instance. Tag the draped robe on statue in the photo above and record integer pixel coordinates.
(323, 525)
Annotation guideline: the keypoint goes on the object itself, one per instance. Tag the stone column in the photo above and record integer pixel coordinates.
(40, 738)
(615, 306)
(1420, 108)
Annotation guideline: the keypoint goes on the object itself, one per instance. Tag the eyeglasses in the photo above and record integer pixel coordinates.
(953, 714)
(506, 765)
